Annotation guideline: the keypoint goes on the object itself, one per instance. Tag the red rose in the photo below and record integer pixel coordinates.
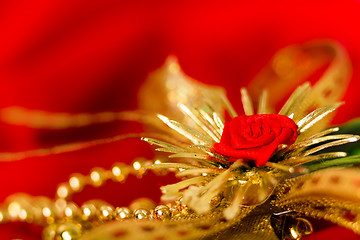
(256, 137)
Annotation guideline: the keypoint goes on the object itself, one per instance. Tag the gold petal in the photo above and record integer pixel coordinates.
(263, 107)
(297, 97)
(246, 102)
(330, 144)
(315, 116)
(190, 133)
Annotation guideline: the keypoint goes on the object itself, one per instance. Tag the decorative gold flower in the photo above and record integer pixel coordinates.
(215, 161)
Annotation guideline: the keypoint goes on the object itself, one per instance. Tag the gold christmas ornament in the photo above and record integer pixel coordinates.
(256, 175)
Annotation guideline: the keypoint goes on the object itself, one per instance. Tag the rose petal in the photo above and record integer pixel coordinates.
(256, 137)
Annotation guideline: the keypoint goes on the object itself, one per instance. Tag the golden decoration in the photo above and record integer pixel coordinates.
(215, 197)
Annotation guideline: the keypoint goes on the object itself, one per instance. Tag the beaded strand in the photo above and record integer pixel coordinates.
(65, 220)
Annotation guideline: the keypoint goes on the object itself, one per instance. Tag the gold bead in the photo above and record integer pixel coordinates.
(142, 214)
(68, 231)
(44, 210)
(20, 208)
(120, 172)
(24, 215)
(106, 213)
(48, 214)
(14, 205)
(162, 212)
(63, 191)
(144, 203)
(123, 213)
(72, 211)
(140, 166)
(4, 217)
(89, 212)
(14, 209)
(98, 176)
(97, 210)
(77, 182)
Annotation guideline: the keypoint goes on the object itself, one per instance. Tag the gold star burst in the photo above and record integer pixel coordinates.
(208, 174)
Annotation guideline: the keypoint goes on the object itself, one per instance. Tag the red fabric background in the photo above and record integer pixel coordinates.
(88, 56)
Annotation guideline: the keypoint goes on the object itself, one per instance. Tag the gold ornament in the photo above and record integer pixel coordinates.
(217, 196)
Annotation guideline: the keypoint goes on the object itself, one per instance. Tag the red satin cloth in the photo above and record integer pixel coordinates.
(89, 56)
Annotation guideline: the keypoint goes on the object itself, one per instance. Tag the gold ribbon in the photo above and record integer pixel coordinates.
(294, 64)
